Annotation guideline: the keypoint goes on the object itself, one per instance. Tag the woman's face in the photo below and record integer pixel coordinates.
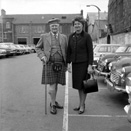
(78, 27)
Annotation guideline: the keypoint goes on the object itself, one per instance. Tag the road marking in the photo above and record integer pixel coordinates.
(102, 116)
(70, 87)
(65, 117)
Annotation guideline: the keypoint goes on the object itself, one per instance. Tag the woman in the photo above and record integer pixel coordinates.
(80, 54)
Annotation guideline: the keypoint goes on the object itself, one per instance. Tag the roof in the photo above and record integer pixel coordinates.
(94, 16)
(41, 18)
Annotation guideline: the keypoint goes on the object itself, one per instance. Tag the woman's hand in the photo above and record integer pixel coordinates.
(90, 70)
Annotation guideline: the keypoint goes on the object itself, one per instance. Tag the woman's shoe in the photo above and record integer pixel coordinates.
(76, 109)
(81, 111)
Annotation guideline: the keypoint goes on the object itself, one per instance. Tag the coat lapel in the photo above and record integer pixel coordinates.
(60, 39)
(49, 38)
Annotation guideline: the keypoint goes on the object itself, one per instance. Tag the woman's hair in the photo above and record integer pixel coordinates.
(79, 19)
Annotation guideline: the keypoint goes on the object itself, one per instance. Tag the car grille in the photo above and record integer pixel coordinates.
(115, 77)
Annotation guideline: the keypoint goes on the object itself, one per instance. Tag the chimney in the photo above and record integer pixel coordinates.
(81, 12)
(3, 12)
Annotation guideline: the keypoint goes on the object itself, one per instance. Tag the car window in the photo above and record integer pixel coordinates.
(114, 48)
(3, 46)
(109, 49)
(102, 49)
(121, 49)
(129, 49)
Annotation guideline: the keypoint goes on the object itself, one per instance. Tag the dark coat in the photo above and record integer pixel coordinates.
(80, 53)
(80, 48)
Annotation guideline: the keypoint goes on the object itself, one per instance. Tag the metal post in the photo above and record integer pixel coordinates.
(98, 25)
(98, 19)
(45, 89)
(2, 26)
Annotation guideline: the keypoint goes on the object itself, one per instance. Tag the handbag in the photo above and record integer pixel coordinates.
(57, 66)
(90, 85)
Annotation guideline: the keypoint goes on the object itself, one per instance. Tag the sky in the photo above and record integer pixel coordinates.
(52, 6)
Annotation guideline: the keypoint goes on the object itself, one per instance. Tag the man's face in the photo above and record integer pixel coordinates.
(54, 27)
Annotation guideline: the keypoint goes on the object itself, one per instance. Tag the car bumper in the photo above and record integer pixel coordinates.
(2, 55)
(113, 87)
(101, 73)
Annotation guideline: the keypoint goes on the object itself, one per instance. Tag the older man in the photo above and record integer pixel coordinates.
(51, 49)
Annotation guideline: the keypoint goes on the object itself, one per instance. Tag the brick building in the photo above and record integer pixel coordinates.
(26, 29)
(119, 21)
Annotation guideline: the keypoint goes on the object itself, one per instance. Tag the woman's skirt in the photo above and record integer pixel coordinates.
(79, 72)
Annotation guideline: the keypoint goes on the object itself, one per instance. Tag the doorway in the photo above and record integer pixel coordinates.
(108, 39)
(35, 41)
(22, 41)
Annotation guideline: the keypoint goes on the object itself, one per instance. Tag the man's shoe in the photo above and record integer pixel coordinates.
(53, 109)
(57, 105)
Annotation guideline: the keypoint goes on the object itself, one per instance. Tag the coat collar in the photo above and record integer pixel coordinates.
(49, 38)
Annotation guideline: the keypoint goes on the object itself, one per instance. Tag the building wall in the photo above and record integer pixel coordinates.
(119, 15)
(26, 29)
(31, 31)
(6, 29)
(123, 38)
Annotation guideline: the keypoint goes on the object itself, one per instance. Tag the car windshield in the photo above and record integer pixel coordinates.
(100, 49)
(121, 49)
(3, 46)
(129, 49)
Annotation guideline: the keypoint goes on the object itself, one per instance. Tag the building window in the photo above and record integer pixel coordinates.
(7, 25)
(22, 29)
(39, 29)
(5, 35)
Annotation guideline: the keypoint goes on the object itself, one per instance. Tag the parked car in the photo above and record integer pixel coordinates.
(103, 63)
(19, 49)
(11, 47)
(94, 45)
(28, 48)
(120, 75)
(103, 49)
(2, 53)
(33, 49)
(7, 48)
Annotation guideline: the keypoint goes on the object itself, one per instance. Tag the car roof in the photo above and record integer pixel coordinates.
(106, 44)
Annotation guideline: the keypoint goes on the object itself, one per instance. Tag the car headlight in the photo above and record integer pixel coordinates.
(123, 72)
(123, 75)
(105, 62)
(128, 89)
(110, 66)
(128, 85)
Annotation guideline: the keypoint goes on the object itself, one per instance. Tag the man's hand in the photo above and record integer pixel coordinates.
(44, 59)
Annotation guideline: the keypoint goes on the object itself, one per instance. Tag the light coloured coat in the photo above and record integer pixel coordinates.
(43, 47)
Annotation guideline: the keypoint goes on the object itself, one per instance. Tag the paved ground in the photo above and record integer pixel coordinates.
(22, 102)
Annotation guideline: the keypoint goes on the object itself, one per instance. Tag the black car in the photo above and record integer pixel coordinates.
(103, 63)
